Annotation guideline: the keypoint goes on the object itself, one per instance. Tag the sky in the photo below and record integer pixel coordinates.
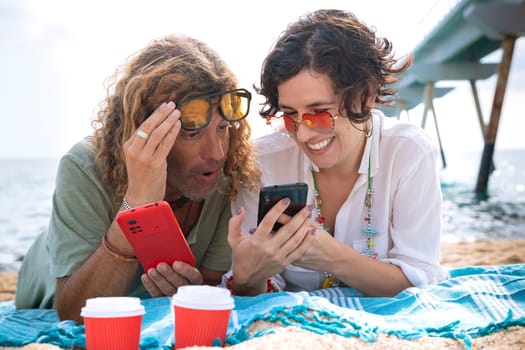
(56, 54)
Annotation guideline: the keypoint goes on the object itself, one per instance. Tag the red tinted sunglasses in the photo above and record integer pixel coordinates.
(322, 122)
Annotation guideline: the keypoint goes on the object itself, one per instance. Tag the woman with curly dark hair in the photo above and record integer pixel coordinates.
(172, 128)
(374, 190)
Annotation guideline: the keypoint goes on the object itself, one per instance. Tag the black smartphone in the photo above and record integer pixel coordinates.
(269, 195)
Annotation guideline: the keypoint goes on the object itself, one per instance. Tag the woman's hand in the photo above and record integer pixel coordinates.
(321, 253)
(165, 279)
(146, 152)
(264, 253)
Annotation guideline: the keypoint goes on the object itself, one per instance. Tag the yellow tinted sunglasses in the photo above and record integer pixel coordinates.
(234, 105)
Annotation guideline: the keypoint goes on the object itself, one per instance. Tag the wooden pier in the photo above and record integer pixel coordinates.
(452, 51)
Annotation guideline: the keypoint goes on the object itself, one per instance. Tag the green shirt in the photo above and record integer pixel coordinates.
(82, 212)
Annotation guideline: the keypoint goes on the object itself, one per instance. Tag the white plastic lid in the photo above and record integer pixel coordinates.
(106, 307)
(203, 297)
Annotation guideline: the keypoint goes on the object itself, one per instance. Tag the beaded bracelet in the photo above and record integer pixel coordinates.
(269, 285)
(125, 204)
(114, 252)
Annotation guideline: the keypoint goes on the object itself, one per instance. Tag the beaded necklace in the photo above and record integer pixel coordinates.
(330, 280)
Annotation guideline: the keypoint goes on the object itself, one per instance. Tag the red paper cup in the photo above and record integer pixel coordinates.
(112, 323)
(202, 314)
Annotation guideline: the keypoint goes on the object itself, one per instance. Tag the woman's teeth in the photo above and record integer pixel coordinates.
(320, 145)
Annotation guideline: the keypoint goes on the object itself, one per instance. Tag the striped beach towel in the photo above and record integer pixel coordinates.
(473, 302)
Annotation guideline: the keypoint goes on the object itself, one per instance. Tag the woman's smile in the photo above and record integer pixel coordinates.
(320, 145)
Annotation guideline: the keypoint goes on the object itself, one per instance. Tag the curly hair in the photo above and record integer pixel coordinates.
(336, 43)
(168, 69)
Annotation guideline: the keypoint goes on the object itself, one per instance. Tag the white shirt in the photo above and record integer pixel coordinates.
(407, 200)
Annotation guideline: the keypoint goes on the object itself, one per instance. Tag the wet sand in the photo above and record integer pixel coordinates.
(481, 252)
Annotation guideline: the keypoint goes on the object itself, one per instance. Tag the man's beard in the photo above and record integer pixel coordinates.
(190, 193)
(193, 190)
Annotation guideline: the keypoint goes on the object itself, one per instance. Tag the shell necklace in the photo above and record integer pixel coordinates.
(330, 280)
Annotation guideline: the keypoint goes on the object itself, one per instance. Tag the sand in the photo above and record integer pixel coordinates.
(7, 285)
(481, 252)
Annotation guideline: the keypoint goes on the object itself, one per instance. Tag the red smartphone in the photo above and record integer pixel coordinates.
(270, 195)
(155, 235)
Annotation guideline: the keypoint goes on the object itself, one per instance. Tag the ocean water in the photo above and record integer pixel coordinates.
(501, 215)
(26, 188)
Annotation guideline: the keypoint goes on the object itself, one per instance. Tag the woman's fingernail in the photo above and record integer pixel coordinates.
(239, 211)
(285, 201)
(312, 231)
(311, 207)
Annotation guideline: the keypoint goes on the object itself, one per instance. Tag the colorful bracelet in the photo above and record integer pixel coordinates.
(269, 285)
(114, 252)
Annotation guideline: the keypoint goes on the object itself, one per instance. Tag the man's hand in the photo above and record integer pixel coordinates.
(146, 152)
(165, 279)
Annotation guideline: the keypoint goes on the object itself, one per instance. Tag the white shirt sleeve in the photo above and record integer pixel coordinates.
(416, 201)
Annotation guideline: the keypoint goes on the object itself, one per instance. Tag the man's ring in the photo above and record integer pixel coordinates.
(142, 134)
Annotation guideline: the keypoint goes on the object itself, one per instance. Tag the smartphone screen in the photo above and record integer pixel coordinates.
(270, 195)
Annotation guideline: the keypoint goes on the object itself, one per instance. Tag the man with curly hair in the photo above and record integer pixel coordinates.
(172, 128)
